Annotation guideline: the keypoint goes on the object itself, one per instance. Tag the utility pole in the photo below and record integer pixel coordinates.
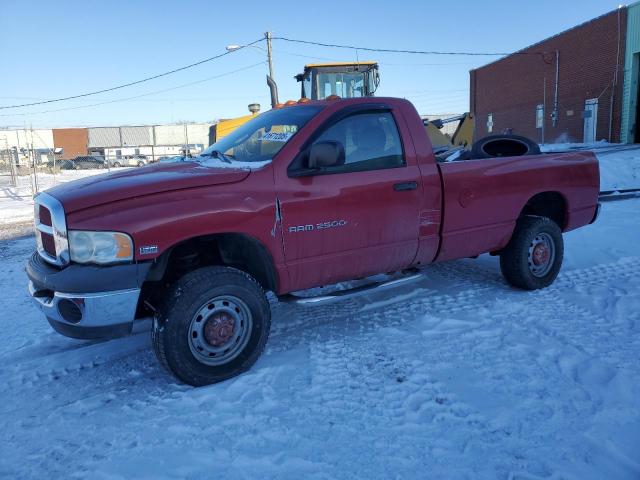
(12, 163)
(555, 114)
(153, 143)
(32, 156)
(270, 80)
(273, 87)
(544, 105)
(267, 35)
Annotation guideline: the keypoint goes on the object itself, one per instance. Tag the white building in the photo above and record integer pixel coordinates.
(151, 141)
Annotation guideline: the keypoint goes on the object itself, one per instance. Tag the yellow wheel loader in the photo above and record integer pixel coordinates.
(319, 81)
(343, 79)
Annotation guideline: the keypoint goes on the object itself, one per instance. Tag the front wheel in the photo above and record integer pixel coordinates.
(533, 257)
(214, 325)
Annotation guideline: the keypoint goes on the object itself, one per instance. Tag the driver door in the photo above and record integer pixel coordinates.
(357, 218)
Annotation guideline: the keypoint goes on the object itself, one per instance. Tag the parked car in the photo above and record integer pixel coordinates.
(61, 164)
(300, 196)
(86, 162)
(131, 161)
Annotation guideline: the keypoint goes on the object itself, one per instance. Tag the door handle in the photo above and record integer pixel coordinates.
(404, 186)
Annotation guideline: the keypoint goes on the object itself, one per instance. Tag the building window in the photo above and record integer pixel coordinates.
(539, 116)
(490, 123)
(118, 153)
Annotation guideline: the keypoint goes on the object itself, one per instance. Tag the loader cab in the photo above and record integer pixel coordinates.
(346, 80)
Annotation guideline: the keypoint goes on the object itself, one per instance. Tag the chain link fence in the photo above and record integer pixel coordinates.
(24, 173)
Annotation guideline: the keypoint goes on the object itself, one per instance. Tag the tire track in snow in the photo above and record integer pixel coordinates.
(53, 366)
(363, 313)
(542, 315)
(479, 292)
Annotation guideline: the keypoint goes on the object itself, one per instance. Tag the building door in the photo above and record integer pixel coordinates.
(590, 120)
(636, 128)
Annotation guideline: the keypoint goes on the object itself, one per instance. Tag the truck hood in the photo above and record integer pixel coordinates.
(137, 182)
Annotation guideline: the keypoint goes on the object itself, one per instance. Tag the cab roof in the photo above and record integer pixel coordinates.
(340, 64)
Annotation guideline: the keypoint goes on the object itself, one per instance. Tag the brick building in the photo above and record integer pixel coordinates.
(73, 141)
(565, 88)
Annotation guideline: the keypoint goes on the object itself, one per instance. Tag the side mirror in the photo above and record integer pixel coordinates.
(325, 154)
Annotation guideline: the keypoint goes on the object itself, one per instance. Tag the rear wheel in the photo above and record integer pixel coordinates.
(533, 257)
(214, 325)
(117, 164)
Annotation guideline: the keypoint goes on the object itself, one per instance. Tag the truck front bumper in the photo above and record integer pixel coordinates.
(91, 315)
(87, 301)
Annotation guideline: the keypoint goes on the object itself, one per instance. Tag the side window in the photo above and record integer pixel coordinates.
(370, 140)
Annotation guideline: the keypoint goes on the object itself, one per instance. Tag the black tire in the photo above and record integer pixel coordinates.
(504, 146)
(519, 259)
(116, 164)
(173, 329)
(141, 164)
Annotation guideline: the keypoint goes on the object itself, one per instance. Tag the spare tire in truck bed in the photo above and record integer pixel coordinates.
(504, 146)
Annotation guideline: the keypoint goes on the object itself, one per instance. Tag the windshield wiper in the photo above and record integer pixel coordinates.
(217, 154)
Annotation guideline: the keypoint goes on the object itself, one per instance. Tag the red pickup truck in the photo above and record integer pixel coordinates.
(308, 194)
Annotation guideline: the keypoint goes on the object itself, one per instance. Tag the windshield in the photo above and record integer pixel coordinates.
(345, 85)
(261, 138)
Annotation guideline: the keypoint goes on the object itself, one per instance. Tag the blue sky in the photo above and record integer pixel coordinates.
(50, 49)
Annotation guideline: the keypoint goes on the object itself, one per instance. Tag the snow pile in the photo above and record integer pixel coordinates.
(16, 203)
(619, 163)
(619, 168)
(568, 146)
(235, 164)
(454, 376)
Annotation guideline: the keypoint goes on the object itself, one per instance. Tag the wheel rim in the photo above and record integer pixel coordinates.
(220, 330)
(542, 254)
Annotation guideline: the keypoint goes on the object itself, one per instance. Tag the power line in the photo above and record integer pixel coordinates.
(392, 50)
(136, 82)
(315, 57)
(136, 96)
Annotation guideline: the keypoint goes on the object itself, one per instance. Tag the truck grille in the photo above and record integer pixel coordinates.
(45, 215)
(48, 243)
(51, 230)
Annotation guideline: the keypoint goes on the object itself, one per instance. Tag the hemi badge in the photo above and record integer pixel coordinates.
(148, 249)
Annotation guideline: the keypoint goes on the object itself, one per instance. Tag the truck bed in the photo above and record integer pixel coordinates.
(483, 198)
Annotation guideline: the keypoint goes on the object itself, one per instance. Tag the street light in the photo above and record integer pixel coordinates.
(233, 48)
(267, 36)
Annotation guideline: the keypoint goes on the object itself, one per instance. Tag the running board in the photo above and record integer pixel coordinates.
(349, 293)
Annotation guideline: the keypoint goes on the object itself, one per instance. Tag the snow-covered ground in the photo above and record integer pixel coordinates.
(619, 170)
(455, 376)
(16, 203)
(569, 146)
(619, 163)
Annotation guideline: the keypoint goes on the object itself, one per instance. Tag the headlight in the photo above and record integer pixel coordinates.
(100, 247)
